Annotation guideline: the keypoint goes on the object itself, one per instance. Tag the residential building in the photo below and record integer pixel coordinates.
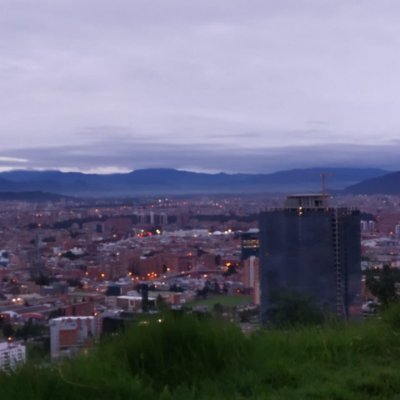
(12, 354)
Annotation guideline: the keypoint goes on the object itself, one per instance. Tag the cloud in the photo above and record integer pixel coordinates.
(12, 160)
(124, 156)
(198, 83)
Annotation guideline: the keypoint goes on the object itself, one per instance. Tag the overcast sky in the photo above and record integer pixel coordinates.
(208, 85)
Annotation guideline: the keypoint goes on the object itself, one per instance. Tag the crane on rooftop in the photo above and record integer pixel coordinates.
(324, 179)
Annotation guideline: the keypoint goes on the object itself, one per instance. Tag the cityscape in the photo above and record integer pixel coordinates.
(199, 200)
(75, 268)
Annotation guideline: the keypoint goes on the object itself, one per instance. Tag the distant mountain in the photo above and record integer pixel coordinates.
(171, 181)
(310, 178)
(386, 184)
(31, 196)
(6, 185)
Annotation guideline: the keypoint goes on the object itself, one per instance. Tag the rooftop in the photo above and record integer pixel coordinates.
(307, 201)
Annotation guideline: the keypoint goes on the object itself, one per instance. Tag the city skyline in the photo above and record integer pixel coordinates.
(100, 87)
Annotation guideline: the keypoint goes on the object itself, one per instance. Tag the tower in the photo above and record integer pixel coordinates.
(251, 263)
(310, 248)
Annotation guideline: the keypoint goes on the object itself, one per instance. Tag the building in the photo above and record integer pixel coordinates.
(69, 335)
(83, 303)
(308, 247)
(12, 354)
(251, 277)
(250, 249)
(130, 303)
(250, 243)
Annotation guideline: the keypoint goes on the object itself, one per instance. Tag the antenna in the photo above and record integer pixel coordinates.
(324, 177)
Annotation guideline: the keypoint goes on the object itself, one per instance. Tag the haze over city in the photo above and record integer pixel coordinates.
(228, 86)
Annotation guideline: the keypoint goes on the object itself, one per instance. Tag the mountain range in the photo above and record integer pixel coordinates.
(171, 181)
(385, 184)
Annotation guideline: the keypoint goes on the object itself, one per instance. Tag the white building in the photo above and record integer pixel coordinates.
(11, 355)
(132, 303)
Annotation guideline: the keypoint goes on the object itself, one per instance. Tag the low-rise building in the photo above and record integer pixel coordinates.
(69, 335)
(12, 354)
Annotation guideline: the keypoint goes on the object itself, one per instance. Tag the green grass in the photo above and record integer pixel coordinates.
(186, 358)
(226, 301)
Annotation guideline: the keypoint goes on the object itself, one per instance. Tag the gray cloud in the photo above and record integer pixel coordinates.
(124, 156)
(199, 83)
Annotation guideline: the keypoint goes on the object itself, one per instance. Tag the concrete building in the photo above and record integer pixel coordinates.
(133, 303)
(12, 354)
(309, 247)
(69, 335)
(251, 277)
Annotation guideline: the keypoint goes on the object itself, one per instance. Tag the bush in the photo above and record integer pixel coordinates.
(294, 309)
(182, 358)
(392, 316)
(181, 350)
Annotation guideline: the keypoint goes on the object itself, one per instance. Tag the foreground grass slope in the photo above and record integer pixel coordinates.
(184, 358)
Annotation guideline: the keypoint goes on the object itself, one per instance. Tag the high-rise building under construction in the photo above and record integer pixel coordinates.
(310, 248)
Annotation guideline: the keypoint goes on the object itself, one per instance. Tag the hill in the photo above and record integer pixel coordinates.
(184, 358)
(6, 185)
(31, 196)
(171, 181)
(386, 184)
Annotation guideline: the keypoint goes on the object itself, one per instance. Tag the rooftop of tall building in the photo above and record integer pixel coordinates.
(316, 200)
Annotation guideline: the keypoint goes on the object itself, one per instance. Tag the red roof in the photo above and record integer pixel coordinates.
(33, 315)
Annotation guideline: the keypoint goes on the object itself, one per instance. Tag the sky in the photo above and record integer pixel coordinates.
(211, 85)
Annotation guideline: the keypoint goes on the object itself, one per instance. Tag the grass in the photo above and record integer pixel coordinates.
(186, 358)
(226, 301)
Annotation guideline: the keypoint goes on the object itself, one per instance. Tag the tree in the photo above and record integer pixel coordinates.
(75, 282)
(56, 313)
(175, 288)
(202, 292)
(293, 309)
(42, 280)
(8, 330)
(382, 284)
(162, 305)
(230, 271)
(29, 329)
(218, 308)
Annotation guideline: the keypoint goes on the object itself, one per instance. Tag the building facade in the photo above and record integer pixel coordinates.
(69, 335)
(310, 248)
(250, 244)
(12, 354)
(251, 277)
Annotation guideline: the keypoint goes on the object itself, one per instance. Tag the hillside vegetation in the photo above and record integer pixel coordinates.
(188, 358)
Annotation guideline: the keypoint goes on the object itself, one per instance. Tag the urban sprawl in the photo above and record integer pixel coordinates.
(72, 270)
